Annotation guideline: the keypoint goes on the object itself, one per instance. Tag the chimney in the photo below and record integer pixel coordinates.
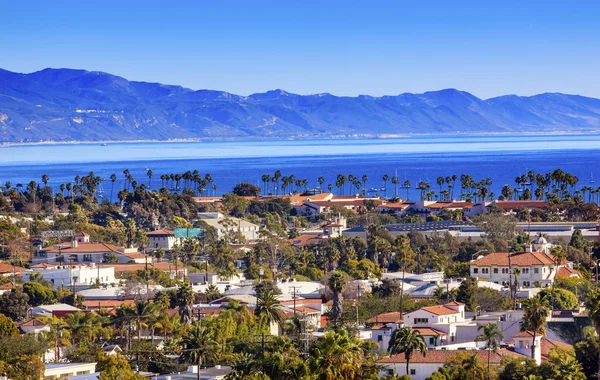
(74, 243)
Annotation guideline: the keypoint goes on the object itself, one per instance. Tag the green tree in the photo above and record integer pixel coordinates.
(246, 189)
(336, 356)
(38, 294)
(560, 299)
(116, 367)
(14, 304)
(491, 335)
(142, 311)
(185, 301)
(337, 283)
(268, 308)
(199, 346)
(7, 327)
(534, 318)
(498, 228)
(407, 341)
(592, 306)
(467, 293)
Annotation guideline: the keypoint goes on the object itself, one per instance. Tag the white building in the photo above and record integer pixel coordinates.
(164, 239)
(81, 250)
(80, 275)
(65, 370)
(537, 269)
(224, 226)
(442, 320)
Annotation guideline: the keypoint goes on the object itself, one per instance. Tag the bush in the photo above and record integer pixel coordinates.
(560, 299)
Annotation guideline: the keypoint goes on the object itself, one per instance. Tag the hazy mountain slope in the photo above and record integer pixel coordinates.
(66, 104)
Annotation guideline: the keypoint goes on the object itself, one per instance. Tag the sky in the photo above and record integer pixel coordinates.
(345, 48)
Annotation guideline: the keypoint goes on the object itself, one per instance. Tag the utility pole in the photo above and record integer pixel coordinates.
(146, 275)
(294, 295)
(357, 302)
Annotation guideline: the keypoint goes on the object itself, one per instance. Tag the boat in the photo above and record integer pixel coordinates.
(103, 144)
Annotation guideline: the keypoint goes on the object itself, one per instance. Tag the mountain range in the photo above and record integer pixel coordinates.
(80, 105)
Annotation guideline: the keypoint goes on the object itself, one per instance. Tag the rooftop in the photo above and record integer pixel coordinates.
(439, 310)
(392, 317)
(441, 356)
(516, 258)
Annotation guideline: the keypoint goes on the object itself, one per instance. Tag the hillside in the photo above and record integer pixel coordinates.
(67, 105)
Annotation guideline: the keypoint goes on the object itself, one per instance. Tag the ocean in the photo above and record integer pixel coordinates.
(416, 158)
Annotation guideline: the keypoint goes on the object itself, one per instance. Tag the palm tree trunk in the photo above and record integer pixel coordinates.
(407, 366)
(199, 364)
(489, 363)
(533, 346)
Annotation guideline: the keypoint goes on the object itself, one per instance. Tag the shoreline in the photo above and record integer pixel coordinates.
(296, 138)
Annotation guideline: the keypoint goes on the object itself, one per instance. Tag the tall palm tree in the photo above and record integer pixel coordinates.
(385, 179)
(185, 301)
(337, 284)
(592, 306)
(491, 335)
(406, 341)
(149, 174)
(199, 346)
(268, 308)
(336, 356)
(142, 311)
(534, 319)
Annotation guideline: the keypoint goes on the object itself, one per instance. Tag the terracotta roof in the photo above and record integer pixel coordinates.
(107, 303)
(33, 323)
(306, 239)
(393, 317)
(398, 205)
(441, 356)
(439, 310)
(345, 203)
(522, 259)
(524, 334)
(454, 303)
(428, 331)
(7, 286)
(566, 272)
(141, 266)
(7, 268)
(549, 344)
(81, 234)
(161, 233)
(513, 205)
(449, 205)
(85, 248)
(134, 255)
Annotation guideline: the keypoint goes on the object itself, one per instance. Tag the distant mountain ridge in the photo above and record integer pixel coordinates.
(80, 105)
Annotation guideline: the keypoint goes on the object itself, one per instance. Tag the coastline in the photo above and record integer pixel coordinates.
(296, 138)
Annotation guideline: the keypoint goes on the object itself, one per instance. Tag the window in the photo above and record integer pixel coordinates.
(536, 270)
(495, 270)
(485, 270)
(526, 284)
(421, 320)
(431, 341)
(87, 257)
(526, 270)
(475, 270)
(520, 344)
(504, 270)
(413, 371)
(379, 338)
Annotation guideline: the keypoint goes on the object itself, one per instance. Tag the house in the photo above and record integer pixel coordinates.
(226, 225)
(442, 320)
(6, 287)
(7, 270)
(510, 207)
(81, 250)
(355, 204)
(59, 310)
(111, 349)
(217, 372)
(536, 269)
(383, 327)
(164, 239)
(395, 208)
(66, 370)
(33, 326)
(422, 366)
(78, 275)
(435, 207)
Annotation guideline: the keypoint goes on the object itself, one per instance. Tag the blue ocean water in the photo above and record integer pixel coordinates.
(499, 157)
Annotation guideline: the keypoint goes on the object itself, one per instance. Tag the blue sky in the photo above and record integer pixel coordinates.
(344, 48)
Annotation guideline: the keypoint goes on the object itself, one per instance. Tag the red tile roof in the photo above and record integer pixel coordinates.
(141, 266)
(524, 334)
(32, 323)
(441, 356)
(439, 310)
(161, 233)
(85, 248)
(7, 286)
(7, 268)
(393, 317)
(428, 331)
(516, 258)
(396, 205)
(107, 303)
(450, 205)
(306, 239)
(566, 272)
(348, 203)
(549, 344)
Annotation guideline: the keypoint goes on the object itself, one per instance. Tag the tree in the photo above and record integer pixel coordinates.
(534, 318)
(467, 293)
(498, 228)
(592, 305)
(407, 341)
(7, 327)
(142, 311)
(198, 346)
(336, 356)
(246, 189)
(491, 335)
(113, 367)
(14, 304)
(38, 294)
(185, 301)
(337, 284)
(269, 309)
(560, 299)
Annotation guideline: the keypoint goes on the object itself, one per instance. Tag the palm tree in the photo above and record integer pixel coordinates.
(336, 356)
(536, 310)
(268, 308)
(395, 183)
(185, 301)
(321, 180)
(407, 341)
(385, 179)
(149, 174)
(142, 311)
(337, 284)
(406, 185)
(199, 346)
(491, 335)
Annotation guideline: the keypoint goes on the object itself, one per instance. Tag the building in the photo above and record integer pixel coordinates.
(164, 239)
(66, 370)
(33, 326)
(7, 270)
(383, 327)
(81, 250)
(441, 320)
(228, 225)
(510, 207)
(422, 366)
(437, 208)
(59, 309)
(537, 269)
(78, 275)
